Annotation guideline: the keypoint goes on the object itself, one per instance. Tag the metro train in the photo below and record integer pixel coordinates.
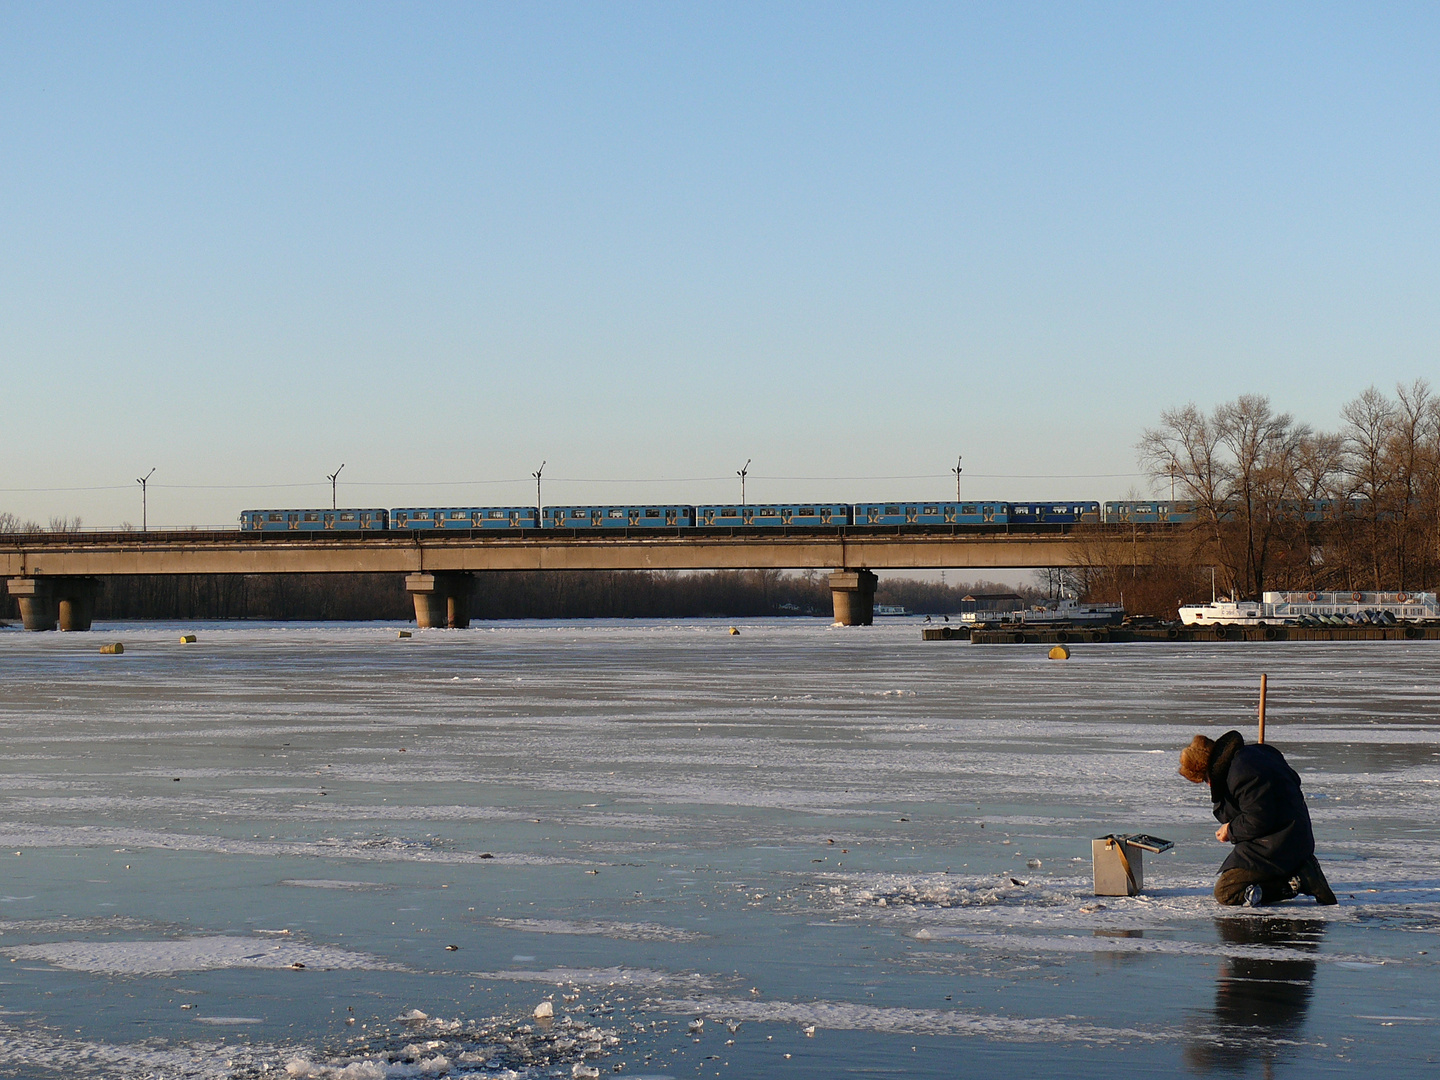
(749, 515)
(770, 515)
(1149, 512)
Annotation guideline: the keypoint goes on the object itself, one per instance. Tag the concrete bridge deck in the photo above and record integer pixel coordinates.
(49, 571)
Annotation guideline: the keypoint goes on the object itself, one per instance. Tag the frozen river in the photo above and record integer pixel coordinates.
(800, 851)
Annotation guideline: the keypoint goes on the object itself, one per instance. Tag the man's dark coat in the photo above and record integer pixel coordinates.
(1259, 795)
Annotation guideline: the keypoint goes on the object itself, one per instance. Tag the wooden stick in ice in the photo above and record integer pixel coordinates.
(1262, 707)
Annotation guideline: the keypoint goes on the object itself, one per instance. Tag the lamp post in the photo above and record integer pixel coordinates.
(957, 471)
(741, 474)
(144, 500)
(332, 477)
(536, 474)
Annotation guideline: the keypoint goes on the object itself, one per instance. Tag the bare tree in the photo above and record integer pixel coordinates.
(1407, 451)
(1240, 470)
(1185, 449)
(1369, 427)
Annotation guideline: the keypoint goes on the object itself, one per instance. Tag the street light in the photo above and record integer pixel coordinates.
(536, 474)
(144, 500)
(331, 477)
(957, 471)
(741, 474)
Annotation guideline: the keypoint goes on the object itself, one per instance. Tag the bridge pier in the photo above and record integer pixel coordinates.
(442, 598)
(46, 602)
(853, 593)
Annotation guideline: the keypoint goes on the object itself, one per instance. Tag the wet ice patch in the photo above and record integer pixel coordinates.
(334, 883)
(593, 927)
(849, 1016)
(638, 978)
(194, 954)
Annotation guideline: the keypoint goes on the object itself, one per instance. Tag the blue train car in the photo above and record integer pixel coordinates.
(982, 513)
(313, 520)
(465, 517)
(1150, 513)
(1054, 512)
(774, 515)
(618, 517)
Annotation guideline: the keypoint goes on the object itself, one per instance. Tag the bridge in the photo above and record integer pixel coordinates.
(56, 577)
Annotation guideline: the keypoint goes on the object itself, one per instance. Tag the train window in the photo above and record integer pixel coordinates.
(312, 517)
(766, 511)
(892, 510)
(458, 515)
(347, 516)
(277, 517)
(729, 511)
(498, 515)
(806, 511)
(616, 512)
(652, 512)
(931, 510)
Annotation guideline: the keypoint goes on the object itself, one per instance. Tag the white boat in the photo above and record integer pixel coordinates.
(1281, 608)
(1072, 612)
(1066, 611)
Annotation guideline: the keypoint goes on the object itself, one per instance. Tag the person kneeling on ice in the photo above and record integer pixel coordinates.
(1262, 812)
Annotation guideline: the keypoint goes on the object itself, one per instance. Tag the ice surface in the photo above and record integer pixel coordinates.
(313, 850)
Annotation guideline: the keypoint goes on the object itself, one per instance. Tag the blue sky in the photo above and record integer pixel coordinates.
(244, 243)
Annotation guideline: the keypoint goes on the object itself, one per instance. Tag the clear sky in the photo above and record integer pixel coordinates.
(244, 243)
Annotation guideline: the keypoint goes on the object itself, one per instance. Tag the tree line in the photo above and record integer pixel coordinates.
(1280, 505)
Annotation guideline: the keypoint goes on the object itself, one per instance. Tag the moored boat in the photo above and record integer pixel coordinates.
(1325, 608)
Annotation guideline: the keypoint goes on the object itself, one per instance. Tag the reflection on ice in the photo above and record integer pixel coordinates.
(1260, 1002)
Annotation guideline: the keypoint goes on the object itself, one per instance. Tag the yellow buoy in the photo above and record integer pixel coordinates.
(734, 631)
(404, 633)
(1060, 652)
(112, 650)
(187, 639)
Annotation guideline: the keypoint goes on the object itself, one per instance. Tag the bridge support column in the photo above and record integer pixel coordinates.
(853, 592)
(441, 599)
(76, 602)
(46, 602)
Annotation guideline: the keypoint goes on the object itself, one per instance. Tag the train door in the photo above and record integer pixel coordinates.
(825, 514)
(787, 515)
(672, 516)
(633, 517)
(749, 516)
(912, 515)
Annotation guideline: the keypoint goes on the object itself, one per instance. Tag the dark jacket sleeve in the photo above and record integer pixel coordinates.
(1261, 809)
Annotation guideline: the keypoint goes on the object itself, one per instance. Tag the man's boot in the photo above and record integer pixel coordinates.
(1312, 882)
